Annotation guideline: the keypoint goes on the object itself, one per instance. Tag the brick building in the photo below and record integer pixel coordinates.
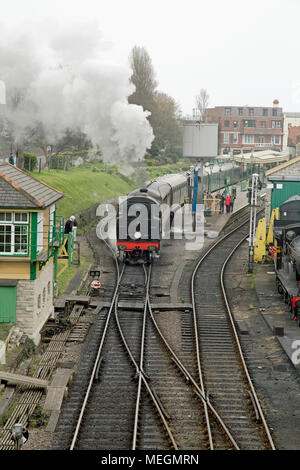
(248, 128)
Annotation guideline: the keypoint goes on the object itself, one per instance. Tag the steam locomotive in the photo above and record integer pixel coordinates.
(145, 214)
(286, 232)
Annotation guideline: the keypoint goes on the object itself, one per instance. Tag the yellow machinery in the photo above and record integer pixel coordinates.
(262, 238)
(260, 241)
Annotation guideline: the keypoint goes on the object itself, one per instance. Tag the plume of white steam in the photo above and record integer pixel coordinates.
(57, 75)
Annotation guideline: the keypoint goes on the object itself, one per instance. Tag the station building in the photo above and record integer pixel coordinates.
(30, 237)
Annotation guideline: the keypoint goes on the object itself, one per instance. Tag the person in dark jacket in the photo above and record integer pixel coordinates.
(11, 159)
(232, 199)
(222, 202)
(70, 223)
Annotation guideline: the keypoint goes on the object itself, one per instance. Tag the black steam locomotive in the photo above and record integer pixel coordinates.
(286, 232)
(144, 214)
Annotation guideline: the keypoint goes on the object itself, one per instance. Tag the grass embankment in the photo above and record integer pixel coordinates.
(85, 186)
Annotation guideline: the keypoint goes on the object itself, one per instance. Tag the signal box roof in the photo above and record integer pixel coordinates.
(20, 190)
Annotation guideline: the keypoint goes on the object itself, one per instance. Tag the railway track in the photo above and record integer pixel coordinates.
(222, 369)
(135, 400)
(131, 381)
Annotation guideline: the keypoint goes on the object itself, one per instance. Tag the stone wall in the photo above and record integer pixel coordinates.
(35, 303)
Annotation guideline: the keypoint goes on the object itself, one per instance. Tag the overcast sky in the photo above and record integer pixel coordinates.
(243, 53)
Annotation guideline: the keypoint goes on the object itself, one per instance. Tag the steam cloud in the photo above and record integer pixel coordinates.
(57, 74)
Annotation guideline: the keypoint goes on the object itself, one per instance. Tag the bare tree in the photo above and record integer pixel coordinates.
(202, 101)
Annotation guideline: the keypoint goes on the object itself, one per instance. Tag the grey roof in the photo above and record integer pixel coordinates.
(160, 187)
(18, 189)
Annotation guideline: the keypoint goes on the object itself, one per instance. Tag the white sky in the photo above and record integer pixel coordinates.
(243, 53)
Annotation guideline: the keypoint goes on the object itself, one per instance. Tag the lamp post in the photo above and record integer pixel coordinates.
(232, 175)
(242, 175)
(211, 164)
(220, 162)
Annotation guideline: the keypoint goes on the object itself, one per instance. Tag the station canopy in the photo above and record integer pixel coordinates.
(263, 157)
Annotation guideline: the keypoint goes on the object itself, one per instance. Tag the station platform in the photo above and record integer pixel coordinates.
(218, 221)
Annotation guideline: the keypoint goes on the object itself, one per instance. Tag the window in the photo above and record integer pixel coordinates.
(250, 123)
(265, 112)
(262, 124)
(276, 124)
(276, 139)
(226, 123)
(227, 111)
(251, 112)
(226, 138)
(51, 220)
(14, 233)
(274, 112)
(21, 238)
(234, 123)
(240, 111)
(6, 216)
(235, 138)
(21, 217)
(6, 236)
(248, 139)
(40, 232)
(261, 139)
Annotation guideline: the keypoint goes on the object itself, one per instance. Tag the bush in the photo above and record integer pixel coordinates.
(30, 161)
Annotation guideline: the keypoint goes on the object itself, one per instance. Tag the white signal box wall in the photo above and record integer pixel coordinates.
(200, 140)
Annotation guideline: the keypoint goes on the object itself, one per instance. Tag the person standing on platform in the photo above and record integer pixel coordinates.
(222, 202)
(233, 197)
(227, 204)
